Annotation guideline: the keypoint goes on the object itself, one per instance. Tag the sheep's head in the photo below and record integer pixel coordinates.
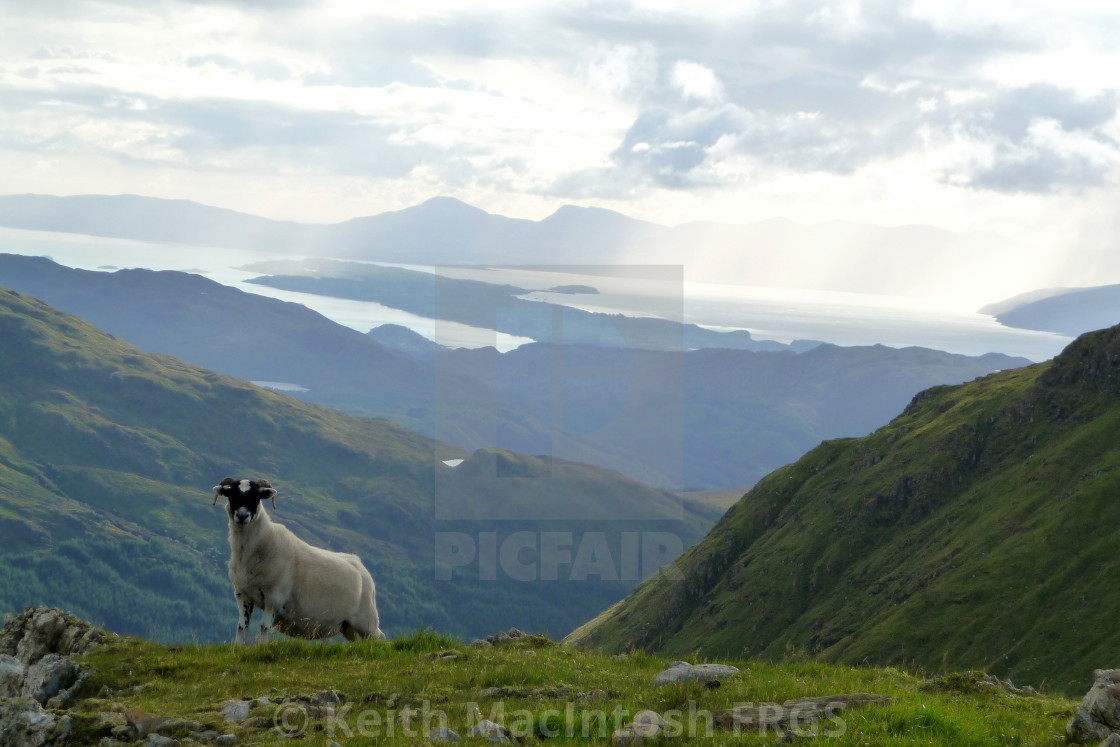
(243, 497)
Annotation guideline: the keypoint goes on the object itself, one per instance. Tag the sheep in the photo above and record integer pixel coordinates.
(303, 591)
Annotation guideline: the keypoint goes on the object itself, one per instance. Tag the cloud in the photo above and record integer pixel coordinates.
(607, 100)
(696, 82)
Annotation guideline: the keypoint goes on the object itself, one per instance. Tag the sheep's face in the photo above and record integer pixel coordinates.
(243, 498)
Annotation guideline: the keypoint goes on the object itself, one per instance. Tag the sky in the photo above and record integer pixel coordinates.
(969, 115)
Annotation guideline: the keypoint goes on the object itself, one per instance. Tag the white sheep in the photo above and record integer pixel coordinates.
(303, 591)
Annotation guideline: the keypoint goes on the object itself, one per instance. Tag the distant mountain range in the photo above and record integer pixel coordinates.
(919, 260)
(499, 306)
(107, 455)
(1068, 311)
(976, 531)
(701, 419)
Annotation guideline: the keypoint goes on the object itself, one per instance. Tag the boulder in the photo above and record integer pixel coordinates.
(645, 727)
(680, 671)
(494, 733)
(236, 710)
(11, 676)
(38, 631)
(1098, 716)
(24, 723)
(50, 676)
(325, 698)
(443, 734)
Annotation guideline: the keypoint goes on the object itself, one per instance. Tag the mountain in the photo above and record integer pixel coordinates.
(1068, 311)
(107, 456)
(703, 418)
(499, 306)
(976, 530)
(397, 337)
(903, 260)
(227, 330)
(697, 419)
(153, 219)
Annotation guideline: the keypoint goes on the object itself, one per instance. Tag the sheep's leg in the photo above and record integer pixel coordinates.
(245, 611)
(267, 619)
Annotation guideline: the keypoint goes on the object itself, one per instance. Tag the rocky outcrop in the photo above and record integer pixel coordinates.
(35, 651)
(36, 671)
(1098, 716)
(682, 671)
(38, 631)
(24, 723)
(513, 635)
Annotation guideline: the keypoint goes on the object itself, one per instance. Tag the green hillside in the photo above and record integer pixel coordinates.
(977, 530)
(107, 456)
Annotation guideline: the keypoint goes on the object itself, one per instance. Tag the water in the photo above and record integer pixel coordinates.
(221, 265)
(768, 313)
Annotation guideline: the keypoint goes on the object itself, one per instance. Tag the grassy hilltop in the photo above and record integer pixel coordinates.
(978, 529)
(535, 689)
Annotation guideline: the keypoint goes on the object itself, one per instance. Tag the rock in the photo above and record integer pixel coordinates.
(493, 732)
(171, 727)
(50, 676)
(158, 740)
(110, 719)
(226, 740)
(39, 631)
(684, 672)
(236, 710)
(24, 723)
(11, 676)
(443, 734)
(1112, 741)
(124, 733)
(645, 727)
(333, 744)
(1098, 716)
(508, 636)
(793, 713)
(326, 698)
(595, 695)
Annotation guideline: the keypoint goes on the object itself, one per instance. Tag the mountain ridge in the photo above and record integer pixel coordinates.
(447, 231)
(107, 454)
(970, 532)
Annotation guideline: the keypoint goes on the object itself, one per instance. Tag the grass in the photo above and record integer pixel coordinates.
(970, 532)
(548, 693)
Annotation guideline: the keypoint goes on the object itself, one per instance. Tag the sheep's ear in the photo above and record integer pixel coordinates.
(266, 489)
(218, 488)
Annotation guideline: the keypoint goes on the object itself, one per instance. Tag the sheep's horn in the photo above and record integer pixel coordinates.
(218, 489)
(271, 490)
